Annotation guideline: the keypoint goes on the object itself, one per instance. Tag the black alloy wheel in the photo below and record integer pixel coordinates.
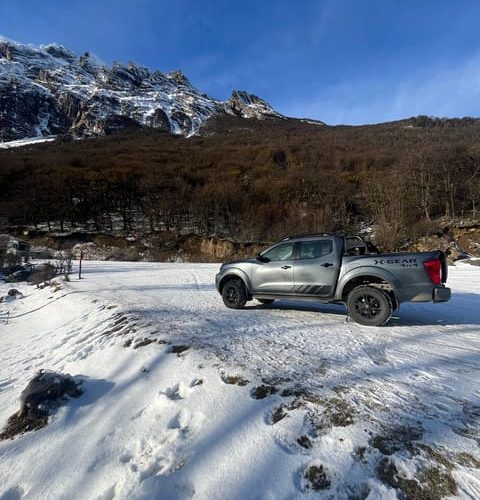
(369, 306)
(234, 294)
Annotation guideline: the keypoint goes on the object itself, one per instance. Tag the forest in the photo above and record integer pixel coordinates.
(251, 180)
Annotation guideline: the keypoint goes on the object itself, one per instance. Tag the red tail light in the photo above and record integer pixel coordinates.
(434, 270)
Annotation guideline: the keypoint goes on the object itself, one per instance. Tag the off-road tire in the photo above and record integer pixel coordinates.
(234, 294)
(266, 301)
(369, 306)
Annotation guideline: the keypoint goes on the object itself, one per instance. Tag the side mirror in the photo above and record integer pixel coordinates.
(261, 258)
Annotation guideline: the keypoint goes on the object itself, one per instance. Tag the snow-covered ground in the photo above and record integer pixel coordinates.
(26, 142)
(281, 401)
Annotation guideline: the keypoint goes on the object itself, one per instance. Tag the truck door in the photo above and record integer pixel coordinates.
(316, 268)
(274, 272)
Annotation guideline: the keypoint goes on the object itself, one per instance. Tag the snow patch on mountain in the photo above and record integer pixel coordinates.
(48, 90)
(26, 142)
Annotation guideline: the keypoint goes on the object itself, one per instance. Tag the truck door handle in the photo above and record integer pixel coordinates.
(286, 267)
(327, 264)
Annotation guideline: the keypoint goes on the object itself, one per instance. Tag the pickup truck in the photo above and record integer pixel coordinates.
(336, 269)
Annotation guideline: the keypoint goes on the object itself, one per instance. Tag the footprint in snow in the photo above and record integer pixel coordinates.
(181, 390)
(124, 458)
(177, 391)
(164, 487)
(186, 422)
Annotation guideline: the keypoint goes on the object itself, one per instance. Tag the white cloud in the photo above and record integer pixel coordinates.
(443, 91)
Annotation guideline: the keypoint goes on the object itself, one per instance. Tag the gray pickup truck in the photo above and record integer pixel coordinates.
(337, 269)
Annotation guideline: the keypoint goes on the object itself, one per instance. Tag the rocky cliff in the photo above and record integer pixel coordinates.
(48, 90)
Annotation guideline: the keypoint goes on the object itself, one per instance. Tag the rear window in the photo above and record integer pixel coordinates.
(315, 249)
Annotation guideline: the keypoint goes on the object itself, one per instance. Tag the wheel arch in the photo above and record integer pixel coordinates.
(236, 275)
(373, 279)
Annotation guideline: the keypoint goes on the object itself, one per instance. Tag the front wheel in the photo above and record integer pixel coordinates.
(234, 294)
(369, 306)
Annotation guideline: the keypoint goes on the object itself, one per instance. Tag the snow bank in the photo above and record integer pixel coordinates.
(169, 375)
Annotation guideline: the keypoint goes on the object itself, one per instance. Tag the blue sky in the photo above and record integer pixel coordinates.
(340, 61)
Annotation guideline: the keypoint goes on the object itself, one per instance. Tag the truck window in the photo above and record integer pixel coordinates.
(280, 252)
(315, 249)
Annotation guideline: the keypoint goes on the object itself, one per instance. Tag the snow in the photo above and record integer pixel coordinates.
(26, 142)
(122, 90)
(128, 90)
(153, 423)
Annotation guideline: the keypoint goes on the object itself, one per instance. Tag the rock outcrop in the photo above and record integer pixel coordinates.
(47, 90)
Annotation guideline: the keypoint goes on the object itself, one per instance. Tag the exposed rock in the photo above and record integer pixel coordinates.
(48, 90)
(445, 242)
(42, 394)
(248, 105)
(217, 248)
(45, 388)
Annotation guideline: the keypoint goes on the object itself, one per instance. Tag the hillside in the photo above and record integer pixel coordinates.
(251, 180)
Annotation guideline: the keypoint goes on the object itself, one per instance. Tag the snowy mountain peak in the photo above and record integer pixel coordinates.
(59, 52)
(179, 77)
(47, 90)
(249, 105)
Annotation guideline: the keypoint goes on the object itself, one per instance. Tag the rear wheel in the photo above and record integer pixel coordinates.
(369, 306)
(234, 294)
(265, 301)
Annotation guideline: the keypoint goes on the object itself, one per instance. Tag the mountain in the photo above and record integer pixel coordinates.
(47, 90)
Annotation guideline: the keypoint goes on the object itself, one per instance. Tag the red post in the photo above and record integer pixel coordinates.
(80, 266)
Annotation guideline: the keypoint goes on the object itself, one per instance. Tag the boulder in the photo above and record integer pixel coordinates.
(45, 392)
(47, 388)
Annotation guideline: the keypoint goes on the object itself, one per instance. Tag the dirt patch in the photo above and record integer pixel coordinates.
(397, 439)
(316, 478)
(304, 442)
(340, 412)
(467, 460)
(322, 412)
(293, 391)
(430, 483)
(178, 349)
(234, 380)
(19, 424)
(388, 473)
(279, 413)
(121, 325)
(143, 343)
(341, 389)
(436, 456)
(436, 483)
(360, 453)
(336, 412)
(276, 380)
(262, 391)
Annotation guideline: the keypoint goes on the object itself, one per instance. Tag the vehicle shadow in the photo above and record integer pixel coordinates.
(462, 309)
(296, 305)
